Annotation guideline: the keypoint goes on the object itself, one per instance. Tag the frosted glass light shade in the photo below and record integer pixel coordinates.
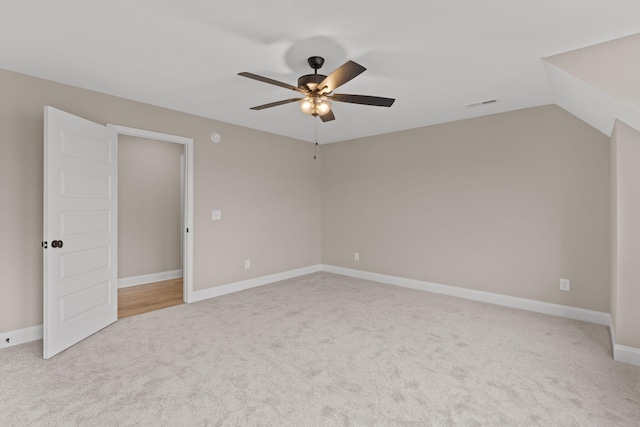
(315, 106)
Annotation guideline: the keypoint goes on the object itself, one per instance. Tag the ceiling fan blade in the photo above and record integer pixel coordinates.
(340, 76)
(275, 104)
(363, 99)
(271, 81)
(328, 117)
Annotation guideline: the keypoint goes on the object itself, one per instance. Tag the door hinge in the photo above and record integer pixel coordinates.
(187, 230)
(44, 245)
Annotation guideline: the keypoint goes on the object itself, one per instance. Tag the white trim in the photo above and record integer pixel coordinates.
(187, 256)
(612, 334)
(126, 282)
(182, 219)
(251, 283)
(187, 240)
(35, 332)
(149, 134)
(622, 353)
(598, 317)
(20, 336)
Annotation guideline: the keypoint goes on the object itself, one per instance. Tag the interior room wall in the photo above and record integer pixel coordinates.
(508, 203)
(625, 285)
(149, 206)
(267, 187)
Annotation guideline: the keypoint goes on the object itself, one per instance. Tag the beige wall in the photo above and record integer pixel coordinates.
(149, 206)
(508, 203)
(625, 286)
(267, 186)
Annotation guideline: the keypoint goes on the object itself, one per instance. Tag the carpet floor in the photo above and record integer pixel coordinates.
(326, 350)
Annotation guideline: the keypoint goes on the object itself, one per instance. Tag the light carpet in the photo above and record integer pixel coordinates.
(325, 350)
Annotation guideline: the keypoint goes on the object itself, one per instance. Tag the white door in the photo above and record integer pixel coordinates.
(80, 229)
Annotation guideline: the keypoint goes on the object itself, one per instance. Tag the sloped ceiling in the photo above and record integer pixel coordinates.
(432, 56)
(599, 83)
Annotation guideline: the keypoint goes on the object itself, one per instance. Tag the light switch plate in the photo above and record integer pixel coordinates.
(216, 215)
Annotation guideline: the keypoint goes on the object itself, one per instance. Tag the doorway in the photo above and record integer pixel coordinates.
(159, 284)
(150, 224)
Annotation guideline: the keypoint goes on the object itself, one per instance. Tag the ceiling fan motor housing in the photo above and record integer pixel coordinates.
(310, 81)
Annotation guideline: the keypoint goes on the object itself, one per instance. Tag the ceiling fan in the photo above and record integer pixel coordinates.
(318, 89)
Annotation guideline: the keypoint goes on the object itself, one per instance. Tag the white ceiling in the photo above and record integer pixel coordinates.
(432, 56)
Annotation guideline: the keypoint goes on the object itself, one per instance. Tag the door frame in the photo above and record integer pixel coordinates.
(187, 191)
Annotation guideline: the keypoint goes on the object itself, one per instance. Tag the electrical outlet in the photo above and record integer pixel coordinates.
(216, 215)
(247, 263)
(356, 256)
(565, 284)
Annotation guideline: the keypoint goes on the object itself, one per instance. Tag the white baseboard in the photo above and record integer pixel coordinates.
(20, 336)
(148, 278)
(251, 283)
(508, 301)
(612, 335)
(34, 333)
(622, 353)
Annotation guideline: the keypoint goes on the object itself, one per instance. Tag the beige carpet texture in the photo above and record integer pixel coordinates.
(326, 350)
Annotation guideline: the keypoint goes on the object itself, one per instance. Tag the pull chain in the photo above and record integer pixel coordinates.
(315, 148)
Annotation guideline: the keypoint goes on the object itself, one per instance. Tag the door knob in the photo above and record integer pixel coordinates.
(56, 244)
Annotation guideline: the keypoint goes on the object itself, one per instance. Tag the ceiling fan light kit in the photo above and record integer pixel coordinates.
(315, 106)
(318, 89)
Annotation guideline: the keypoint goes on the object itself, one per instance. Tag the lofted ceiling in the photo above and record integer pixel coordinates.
(432, 56)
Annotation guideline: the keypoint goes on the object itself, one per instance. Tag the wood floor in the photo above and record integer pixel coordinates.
(152, 296)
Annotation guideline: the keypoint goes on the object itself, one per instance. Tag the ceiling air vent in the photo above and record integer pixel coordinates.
(475, 104)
